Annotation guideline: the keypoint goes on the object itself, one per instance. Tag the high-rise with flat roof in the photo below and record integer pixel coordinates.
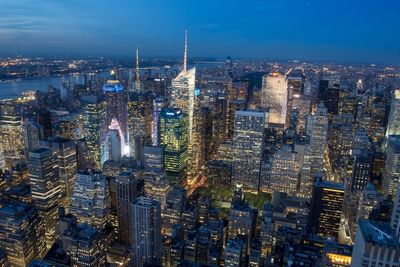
(22, 234)
(326, 208)
(274, 95)
(146, 231)
(248, 148)
(46, 188)
(391, 177)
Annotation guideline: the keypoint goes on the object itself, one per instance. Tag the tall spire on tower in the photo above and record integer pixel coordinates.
(137, 81)
(185, 54)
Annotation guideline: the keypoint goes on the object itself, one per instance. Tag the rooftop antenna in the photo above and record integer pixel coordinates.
(185, 55)
(137, 82)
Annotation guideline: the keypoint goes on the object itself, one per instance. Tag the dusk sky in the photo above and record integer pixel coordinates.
(343, 30)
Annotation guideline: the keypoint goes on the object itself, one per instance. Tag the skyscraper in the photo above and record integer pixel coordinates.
(45, 187)
(183, 94)
(65, 152)
(90, 199)
(128, 188)
(174, 138)
(326, 208)
(392, 167)
(116, 99)
(285, 171)
(373, 239)
(395, 220)
(274, 95)
(146, 231)
(95, 129)
(33, 132)
(317, 129)
(248, 143)
(393, 126)
(22, 234)
(137, 76)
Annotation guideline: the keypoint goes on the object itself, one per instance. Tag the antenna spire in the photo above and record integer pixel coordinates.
(137, 82)
(185, 54)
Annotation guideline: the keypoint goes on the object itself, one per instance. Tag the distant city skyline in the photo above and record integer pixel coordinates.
(350, 31)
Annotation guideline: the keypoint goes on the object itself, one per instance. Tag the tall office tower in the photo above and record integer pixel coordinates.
(128, 188)
(85, 245)
(375, 245)
(137, 76)
(156, 186)
(175, 204)
(203, 242)
(183, 93)
(233, 253)
(393, 126)
(116, 99)
(361, 171)
(22, 234)
(45, 186)
(267, 233)
(303, 105)
(285, 171)
(71, 127)
(11, 131)
(33, 132)
(248, 143)
(146, 231)
(326, 208)
(117, 143)
(65, 152)
(392, 167)
(90, 199)
(95, 129)
(140, 111)
(158, 105)
(175, 139)
(331, 94)
(313, 162)
(242, 222)
(197, 156)
(395, 220)
(43, 117)
(274, 95)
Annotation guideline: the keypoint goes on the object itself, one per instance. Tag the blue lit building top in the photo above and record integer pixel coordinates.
(171, 112)
(379, 233)
(113, 86)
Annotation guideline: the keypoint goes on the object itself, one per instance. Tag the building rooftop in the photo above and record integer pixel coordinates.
(378, 233)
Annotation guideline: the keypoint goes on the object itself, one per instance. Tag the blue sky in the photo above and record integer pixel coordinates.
(345, 30)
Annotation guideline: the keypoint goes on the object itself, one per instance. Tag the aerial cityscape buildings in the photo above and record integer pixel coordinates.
(198, 161)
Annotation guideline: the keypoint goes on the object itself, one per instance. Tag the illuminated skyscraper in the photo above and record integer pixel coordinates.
(140, 120)
(128, 188)
(95, 129)
(285, 171)
(116, 99)
(174, 138)
(146, 231)
(248, 143)
(274, 95)
(46, 188)
(90, 199)
(11, 131)
(395, 220)
(326, 208)
(22, 234)
(33, 132)
(393, 126)
(156, 186)
(391, 178)
(314, 151)
(183, 93)
(65, 152)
